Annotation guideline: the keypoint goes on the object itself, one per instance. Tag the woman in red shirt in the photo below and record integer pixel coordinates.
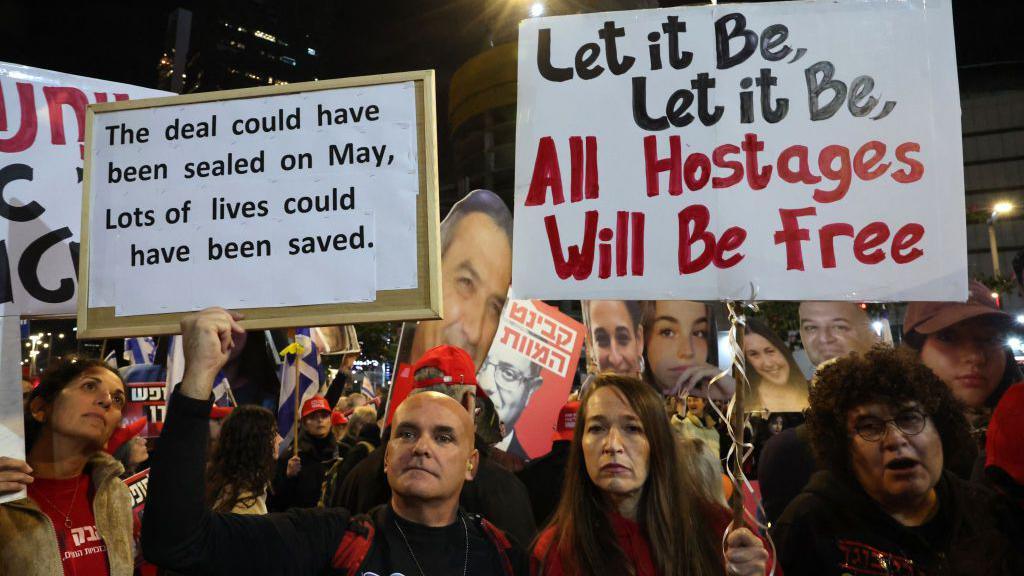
(76, 519)
(627, 505)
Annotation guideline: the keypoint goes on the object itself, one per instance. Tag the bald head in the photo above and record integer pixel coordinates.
(430, 454)
(429, 401)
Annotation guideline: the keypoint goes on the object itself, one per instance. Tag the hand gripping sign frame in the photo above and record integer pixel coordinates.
(422, 302)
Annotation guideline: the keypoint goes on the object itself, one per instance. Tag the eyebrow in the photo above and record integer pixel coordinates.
(675, 320)
(467, 267)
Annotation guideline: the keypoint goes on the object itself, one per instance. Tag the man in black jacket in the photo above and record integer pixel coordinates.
(421, 530)
(882, 425)
(495, 493)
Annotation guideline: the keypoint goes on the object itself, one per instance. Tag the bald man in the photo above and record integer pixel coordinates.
(421, 530)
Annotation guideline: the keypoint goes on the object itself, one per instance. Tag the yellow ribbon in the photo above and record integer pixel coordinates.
(293, 348)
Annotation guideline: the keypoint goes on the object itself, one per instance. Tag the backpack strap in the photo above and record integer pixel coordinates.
(497, 538)
(354, 546)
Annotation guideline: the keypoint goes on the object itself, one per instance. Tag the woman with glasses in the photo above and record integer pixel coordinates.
(883, 426)
(77, 517)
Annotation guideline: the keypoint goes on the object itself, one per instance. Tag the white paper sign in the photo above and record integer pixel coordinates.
(12, 424)
(42, 130)
(291, 200)
(777, 151)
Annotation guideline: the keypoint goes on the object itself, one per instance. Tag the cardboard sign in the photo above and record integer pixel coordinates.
(42, 127)
(305, 195)
(529, 371)
(776, 151)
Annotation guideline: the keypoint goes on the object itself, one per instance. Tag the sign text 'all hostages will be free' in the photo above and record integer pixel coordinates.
(784, 151)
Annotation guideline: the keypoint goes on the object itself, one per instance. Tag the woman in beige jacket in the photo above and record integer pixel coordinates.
(77, 515)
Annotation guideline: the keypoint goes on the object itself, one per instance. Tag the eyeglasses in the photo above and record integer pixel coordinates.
(909, 422)
(506, 374)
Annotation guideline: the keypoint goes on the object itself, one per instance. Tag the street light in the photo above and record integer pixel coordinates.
(999, 208)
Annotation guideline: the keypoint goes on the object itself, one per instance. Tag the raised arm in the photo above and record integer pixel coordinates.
(179, 532)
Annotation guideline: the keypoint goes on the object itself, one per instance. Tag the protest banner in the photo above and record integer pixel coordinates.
(529, 371)
(42, 128)
(775, 151)
(147, 396)
(302, 204)
(12, 424)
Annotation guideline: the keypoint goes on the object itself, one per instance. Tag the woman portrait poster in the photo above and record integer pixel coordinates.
(776, 383)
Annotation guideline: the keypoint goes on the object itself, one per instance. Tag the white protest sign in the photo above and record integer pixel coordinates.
(12, 424)
(42, 128)
(778, 151)
(284, 200)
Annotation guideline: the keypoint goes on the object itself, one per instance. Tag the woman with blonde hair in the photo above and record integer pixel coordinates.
(628, 505)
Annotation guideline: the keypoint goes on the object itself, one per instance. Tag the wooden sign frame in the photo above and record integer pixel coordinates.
(420, 303)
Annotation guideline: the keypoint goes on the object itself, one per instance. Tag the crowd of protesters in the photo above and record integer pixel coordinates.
(906, 460)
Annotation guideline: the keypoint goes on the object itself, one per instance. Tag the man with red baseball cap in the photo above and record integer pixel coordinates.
(298, 477)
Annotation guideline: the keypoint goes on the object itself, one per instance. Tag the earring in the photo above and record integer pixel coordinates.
(469, 466)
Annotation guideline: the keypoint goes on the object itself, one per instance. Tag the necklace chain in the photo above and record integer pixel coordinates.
(67, 516)
(465, 562)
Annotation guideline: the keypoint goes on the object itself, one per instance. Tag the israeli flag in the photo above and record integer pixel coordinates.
(140, 350)
(309, 383)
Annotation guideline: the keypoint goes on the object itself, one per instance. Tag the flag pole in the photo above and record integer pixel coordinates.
(298, 393)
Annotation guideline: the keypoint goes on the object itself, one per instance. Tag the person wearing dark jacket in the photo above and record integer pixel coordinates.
(298, 478)
(882, 425)
(366, 443)
(420, 530)
(495, 493)
(543, 476)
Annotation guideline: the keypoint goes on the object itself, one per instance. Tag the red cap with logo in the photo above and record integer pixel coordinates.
(123, 434)
(565, 426)
(338, 419)
(220, 412)
(315, 404)
(453, 362)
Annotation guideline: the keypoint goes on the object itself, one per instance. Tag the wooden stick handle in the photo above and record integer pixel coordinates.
(736, 462)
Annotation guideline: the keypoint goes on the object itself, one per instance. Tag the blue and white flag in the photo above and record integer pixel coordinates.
(176, 371)
(366, 389)
(309, 382)
(140, 350)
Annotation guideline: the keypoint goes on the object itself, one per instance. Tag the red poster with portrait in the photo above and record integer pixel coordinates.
(529, 371)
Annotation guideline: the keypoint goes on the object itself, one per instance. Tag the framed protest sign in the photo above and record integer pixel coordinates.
(300, 204)
(770, 151)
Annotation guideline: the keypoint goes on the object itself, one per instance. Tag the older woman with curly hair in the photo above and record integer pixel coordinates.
(242, 462)
(882, 427)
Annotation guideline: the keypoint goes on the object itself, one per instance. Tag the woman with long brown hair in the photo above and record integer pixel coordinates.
(628, 506)
(242, 462)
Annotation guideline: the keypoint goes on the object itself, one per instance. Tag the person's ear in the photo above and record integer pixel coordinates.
(39, 410)
(387, 456)
(472, 465)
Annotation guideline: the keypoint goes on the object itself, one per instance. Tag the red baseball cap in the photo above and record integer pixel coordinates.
(315, 404)
(1003, 446)
(565, 426)
(930, 317)
(123, 434)
(453, 362)
(220, 412)
(338, 419)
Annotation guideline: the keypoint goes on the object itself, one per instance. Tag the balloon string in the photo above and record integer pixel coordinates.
(740, 485)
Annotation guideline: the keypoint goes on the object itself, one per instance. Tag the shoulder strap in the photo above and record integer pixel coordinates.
(369, 447)
(354, 546)
(497, 538)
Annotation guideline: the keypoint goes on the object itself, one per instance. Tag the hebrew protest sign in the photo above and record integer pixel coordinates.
(265, 199)
(777, 151)
(529, 371)
(42, 128)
